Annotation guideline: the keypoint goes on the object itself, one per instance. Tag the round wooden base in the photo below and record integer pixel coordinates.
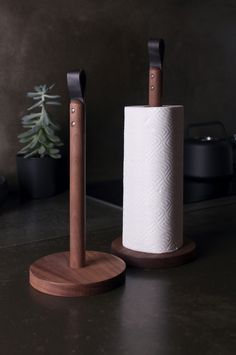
(155, 261)
(52, 274)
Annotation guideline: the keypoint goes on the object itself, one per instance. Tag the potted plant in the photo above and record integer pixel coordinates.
(38, 162)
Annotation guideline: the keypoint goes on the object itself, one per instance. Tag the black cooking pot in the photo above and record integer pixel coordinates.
(196, 190)
(207, 157)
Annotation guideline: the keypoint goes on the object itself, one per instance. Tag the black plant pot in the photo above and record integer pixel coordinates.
(40, 177)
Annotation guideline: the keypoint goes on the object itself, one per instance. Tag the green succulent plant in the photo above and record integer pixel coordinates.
(40, 138)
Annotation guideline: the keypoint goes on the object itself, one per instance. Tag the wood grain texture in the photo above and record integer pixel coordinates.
(77, 185)
(154, 261)
(53, 275)
(154, 87)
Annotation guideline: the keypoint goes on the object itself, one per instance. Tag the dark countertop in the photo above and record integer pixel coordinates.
(33, 220)
(184, 310)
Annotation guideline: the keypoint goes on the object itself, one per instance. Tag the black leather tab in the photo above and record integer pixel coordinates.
(156, 49)
(76, 82)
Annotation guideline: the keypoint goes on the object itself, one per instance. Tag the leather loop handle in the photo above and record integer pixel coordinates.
(77, 184)
(76, 84)
(156, 49)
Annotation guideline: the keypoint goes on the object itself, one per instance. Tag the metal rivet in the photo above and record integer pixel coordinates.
(73, 110)
(152, 87)
(73, 123)
(152, 76)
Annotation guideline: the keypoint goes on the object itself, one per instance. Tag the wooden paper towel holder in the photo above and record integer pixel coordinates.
(77, 272)
(187, 252)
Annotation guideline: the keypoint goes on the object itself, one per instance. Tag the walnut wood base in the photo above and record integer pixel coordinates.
(155, 261)
(52, 274)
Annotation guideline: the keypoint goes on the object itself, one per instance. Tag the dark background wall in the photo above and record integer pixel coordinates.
(41, 40)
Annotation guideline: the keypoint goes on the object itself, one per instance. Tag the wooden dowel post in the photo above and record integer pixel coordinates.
(154, 86)
(77, 185)
(82, 273)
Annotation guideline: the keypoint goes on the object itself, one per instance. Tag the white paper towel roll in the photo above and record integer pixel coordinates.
(153, 178)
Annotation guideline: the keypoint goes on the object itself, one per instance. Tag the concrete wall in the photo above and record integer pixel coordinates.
(41, 40)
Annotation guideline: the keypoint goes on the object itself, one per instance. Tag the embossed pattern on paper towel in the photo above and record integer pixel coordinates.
(152, 217)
